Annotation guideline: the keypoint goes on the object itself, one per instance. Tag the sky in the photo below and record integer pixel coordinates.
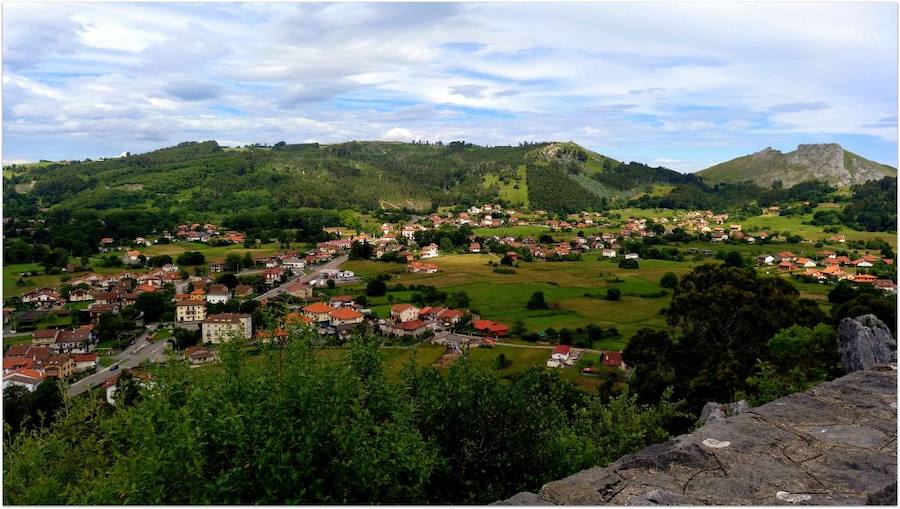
(681, 85)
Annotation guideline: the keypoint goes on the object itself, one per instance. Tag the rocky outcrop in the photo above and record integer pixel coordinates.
(833, 444)
(714, 411)
(865, 341)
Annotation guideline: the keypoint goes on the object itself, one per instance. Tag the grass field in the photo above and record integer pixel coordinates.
(212, 253)
(574, 290)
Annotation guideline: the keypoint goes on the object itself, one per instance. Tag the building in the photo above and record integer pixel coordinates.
(85, 362)
(318, 312)
(561, 353)
(299, 290)
(59, 366)
(341, 301)
(190, 310)
(429, 251)
(45, 337)
(218, 294)
(242, 291)
(490, 328)
(345, 316)
(80, 340)
(220, 327)
(613, 359)
(404, 312)
(294, 264)
(197, 355)
(27, 378)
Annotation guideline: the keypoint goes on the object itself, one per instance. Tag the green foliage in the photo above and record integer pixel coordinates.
(536, 301)
(302, 428)
(376, 288)
(191, 258)
(669, 280)
(629, 263)
(613, 294)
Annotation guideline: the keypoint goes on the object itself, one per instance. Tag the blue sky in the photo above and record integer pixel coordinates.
(682, 85)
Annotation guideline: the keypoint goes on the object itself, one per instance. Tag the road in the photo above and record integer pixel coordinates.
(333, 264)
(141, 350)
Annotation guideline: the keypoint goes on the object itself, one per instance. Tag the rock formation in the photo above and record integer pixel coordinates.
(865, 341)
(714, 411)
(833, 444)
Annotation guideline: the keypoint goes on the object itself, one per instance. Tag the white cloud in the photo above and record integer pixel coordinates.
(399, 134)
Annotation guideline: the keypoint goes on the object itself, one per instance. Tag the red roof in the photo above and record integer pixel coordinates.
(399, 308)
(345, 314)
(612, 359)
(563, 349)
(17, 362)
(85, 357)
(410, 325)
(318, 308)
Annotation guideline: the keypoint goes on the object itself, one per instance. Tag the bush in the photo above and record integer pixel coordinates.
(669, 280)
(629, 263)
(537, 301)
(613, 294)
(376, 288)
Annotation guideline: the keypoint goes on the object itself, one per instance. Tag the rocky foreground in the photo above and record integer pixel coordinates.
(833, 444)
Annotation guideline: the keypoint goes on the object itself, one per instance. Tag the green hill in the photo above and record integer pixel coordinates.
(367, 176)
(828, 163)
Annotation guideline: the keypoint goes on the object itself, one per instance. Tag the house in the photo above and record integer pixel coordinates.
(631, 256)
(80, 295)
(806, 263)
(218, 294)
(345, 316)
(216, 267)
(886, 285)
(765, 259)
(421, 267)
(27, 378)
(786, 265)
(85, 362)
(318, 312)
(475, 247)
(299, 290)
(131, 257)
(429, 251)
(490, 328)
(43, 298)
(59, 366)
(864, 279)
(242, 291)
(613, 359)
(561, 353)
(219, 327)
(294, 264)
(341, 301)
(190, 310)
(404, 312)
(295, 318)
(609, 253)
(45, 337)
(273, 276)
(785, 255)
(80, 340)
(196, 355)
(409, 328)
(862, 263)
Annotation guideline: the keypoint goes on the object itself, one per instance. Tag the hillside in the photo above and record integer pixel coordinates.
(205, 177)
(823, 162)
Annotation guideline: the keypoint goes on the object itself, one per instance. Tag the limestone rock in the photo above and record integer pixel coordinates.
(713, 411)
(865, 341)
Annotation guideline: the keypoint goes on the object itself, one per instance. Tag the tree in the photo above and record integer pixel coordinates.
(518, 328)
(152, 305)
(734, 259)
(669, 280)
(629, 263)
(507, 260)
(330, 284)
(376, 288)
(247, 260)
(233, 262)
(229, 280)
(613, 294)
(537, 301)
(191, 258)
(841, 293)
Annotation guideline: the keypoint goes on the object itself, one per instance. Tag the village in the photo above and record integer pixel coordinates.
(302, 285)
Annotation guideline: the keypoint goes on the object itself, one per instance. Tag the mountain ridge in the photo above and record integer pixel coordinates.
(825, 162)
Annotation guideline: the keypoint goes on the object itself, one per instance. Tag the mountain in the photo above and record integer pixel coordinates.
(829, 163)
(206, 177)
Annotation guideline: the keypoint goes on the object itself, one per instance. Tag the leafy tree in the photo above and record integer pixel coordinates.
(734, 259)
(841, 293)
(669, 280)
(629, 263)
(376, 288)
(537, 301)
(191, 258)
(152, 305)
(613, 294)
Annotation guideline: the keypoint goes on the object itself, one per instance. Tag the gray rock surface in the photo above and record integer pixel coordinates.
(865, 341)
(713, 411)
(834, 444)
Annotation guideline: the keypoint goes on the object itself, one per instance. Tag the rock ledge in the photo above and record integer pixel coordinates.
(833, 444)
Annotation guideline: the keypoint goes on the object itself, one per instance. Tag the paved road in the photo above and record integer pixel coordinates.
(333, 264)
(133, 356)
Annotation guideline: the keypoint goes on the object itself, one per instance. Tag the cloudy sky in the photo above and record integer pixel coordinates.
(684, 85)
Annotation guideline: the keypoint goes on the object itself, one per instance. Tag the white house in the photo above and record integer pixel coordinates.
(631, 256)
(609, 253)
(294, 264)
(219, 327)
(218, 294)
(430, 251)
(27, 378)
(561, 353)
(404, 312)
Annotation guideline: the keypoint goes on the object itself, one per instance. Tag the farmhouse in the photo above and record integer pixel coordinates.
(318, 312)
(345, 316)
(430, 251)
(561, 353)
(27, 378)
(404, 312)
(218, 294)
(299, 290)
(490, 328)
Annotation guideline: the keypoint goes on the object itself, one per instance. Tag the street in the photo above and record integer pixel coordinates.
(142, 350)
(333, 264)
